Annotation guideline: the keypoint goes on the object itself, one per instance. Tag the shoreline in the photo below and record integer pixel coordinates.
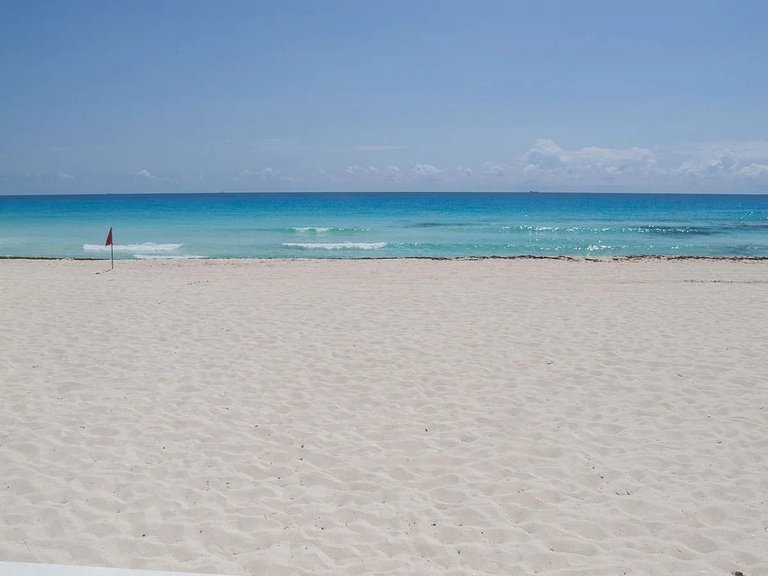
(637, 257)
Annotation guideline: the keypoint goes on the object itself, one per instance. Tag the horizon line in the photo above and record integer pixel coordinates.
(393, 192)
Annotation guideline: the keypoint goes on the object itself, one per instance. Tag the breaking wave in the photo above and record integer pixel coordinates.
(145, 247)
(322, 230)
(335, 245)
(167, 256)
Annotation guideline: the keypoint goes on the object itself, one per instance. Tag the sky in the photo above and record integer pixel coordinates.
(362, 95)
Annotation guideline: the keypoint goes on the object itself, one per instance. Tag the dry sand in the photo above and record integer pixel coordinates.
(386, 417)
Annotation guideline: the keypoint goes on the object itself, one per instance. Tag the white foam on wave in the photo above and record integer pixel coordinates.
(335, 245)
(167, 256)
(145, 247)
(315, 229)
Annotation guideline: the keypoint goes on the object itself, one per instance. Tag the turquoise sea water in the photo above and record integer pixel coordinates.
(315, 225)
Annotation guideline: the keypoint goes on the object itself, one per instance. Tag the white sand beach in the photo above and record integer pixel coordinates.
(386, 417)
(41, 569)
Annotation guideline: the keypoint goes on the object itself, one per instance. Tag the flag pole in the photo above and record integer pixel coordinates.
(111, 249)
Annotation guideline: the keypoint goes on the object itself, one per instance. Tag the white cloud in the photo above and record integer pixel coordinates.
(741, 149)
(374, 174)
(493, 169)
(546, 159)
(356, 170)
(713, 166)
(65, 176)
(391, 177)
(144, 174)
(545, 165)
(753, 170)
(725, 160)
(425, 170)
(706, 168)
(266, 172)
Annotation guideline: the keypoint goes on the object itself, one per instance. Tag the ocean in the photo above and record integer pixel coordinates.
(389, 225)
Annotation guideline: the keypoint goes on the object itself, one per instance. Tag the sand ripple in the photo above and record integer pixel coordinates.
(494, 417)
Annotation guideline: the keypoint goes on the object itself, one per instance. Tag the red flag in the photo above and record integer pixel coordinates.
(109, 238)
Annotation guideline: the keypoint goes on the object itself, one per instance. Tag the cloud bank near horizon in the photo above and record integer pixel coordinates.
(739, 166)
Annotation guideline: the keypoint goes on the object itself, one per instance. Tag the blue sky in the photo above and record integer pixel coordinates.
(175, 96)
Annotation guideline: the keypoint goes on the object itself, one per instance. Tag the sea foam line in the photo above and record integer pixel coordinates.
(145, 247)
(322, 230)
(310, 229)
(167, 256)
(335, 245)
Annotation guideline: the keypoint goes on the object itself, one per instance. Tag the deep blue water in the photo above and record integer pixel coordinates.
(346, 225)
